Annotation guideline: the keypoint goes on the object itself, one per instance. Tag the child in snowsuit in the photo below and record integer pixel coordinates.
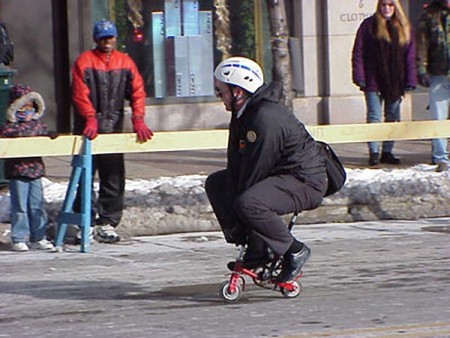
(28, 217)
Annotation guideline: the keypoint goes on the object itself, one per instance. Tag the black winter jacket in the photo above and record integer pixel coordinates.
(268, 140)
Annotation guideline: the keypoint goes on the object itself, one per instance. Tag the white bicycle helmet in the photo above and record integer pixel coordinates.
(240, 71)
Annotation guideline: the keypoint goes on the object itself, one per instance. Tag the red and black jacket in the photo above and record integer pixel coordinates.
(101, 83)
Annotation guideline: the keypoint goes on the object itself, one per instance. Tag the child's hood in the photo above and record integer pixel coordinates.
(31, 96)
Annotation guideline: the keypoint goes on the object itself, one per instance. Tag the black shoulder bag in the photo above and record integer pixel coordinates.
(335, 170)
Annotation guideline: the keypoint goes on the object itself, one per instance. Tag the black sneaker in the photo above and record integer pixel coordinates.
(374, 159)
(293, 264)
(388, 158)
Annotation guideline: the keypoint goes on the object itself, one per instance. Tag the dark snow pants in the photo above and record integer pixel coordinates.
(259, 207)
(110, 201)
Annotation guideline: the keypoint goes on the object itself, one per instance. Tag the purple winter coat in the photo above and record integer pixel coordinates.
(364, 60)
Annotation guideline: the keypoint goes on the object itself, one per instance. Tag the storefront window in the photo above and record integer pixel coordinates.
(174, 44)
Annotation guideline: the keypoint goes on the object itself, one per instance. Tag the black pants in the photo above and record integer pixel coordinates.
(259, 208)
(109, 204)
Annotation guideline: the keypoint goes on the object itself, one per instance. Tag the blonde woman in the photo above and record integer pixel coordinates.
(384, 67)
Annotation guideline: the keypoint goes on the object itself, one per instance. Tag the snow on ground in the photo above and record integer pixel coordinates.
(371, 179)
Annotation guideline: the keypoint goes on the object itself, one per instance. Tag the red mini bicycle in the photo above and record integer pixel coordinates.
(263, 276)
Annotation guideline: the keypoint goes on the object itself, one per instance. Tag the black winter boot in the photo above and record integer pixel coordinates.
(374, 159)
(388, 158)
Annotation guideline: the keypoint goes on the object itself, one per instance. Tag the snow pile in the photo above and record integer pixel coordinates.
(179, 204)
(419, 180)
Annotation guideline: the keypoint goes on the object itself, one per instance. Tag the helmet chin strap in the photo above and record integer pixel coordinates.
(233, 105)
(233, 100)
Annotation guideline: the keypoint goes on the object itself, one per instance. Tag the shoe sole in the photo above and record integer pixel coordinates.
(42, 249)
(106, 240)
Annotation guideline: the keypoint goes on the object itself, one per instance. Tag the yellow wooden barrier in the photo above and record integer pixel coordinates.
(67, 145)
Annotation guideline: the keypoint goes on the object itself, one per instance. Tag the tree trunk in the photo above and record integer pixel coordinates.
(222, 28)
(281, 71)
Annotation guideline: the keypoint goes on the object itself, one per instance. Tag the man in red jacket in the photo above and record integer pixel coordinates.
(102, 79)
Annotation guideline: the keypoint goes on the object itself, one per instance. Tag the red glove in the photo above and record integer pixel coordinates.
(91, 128)
(143, 132)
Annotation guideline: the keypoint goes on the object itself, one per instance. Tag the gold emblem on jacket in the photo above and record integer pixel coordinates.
(251, 136)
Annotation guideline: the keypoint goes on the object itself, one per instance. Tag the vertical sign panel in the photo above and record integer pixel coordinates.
(190, 17)
(177, 66)
(207, 52)
(158, 54)
(181, 66)
(172, 13)
(195, 65)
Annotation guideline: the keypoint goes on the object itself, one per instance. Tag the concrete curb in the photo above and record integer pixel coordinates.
(384, 195)
(166, 209)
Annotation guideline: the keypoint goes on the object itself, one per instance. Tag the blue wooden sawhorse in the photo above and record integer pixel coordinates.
(81, 176)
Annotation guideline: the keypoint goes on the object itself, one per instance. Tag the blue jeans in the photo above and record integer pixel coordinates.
(374, 104)
(439, 93)
(28, 217)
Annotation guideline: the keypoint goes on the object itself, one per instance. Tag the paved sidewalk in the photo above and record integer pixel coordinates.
(367, 279)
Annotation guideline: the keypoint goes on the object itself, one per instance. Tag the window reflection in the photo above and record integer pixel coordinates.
(176, 44)
(172, 43)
